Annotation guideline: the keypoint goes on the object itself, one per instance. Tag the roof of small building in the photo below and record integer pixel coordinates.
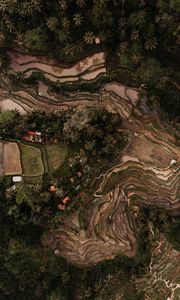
(97, 40)
(17, 178)
(53, 188)
(31, 132)
(65, 200)
(61, 206)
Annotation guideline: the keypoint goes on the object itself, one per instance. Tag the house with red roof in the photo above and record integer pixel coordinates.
(33, 136)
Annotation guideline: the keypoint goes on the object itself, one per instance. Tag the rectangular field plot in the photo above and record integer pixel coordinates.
(31, 160)
(56, 154)
(12, 161)
(1, 158)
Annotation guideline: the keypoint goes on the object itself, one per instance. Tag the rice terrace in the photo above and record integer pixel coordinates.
(89, 150)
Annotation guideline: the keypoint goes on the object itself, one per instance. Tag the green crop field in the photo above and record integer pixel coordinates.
(31, 160)
(56, 154)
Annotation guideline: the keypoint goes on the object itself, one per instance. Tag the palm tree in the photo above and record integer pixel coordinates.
(3, 6)
(63, 5)
(89, 37)
(135, 35)
(68, 50)
(77, 19)
(90, 131)
(35, 187)
(44, 197)
(123, 47)
(151, 44)
(65, 23)
(87, 293)
(81, 3)
(8, 24)
(36, 4)
(59, 193)
(62, 35)
(111, 74)
(78, 48)
(28, 8)
(52, 23)
(136, 58)
(8, 6)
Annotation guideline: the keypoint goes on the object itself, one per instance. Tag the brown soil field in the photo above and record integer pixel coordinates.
(1, 158)
(12, 162)
(149, 152)
(10, 104)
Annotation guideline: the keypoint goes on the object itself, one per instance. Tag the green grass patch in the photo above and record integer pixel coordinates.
(56, 154)
(33, 180)
(31, 160)
(44, 159)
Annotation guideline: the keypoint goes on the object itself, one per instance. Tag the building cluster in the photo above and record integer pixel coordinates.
(33, 136)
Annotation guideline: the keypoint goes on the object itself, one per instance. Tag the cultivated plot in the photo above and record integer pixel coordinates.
(56, 154)
(31, 160)
(12, 161)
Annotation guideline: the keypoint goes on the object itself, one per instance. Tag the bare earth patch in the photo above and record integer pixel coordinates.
(9, 104)
(12, 162)
(1, 158)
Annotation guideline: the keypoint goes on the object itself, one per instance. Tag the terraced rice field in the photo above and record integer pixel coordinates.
(143, 176)
(163, 278)
(86, 69)
(148, 152)
(111, 231)
(41, 99)
(115, 97)
(31, 161)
